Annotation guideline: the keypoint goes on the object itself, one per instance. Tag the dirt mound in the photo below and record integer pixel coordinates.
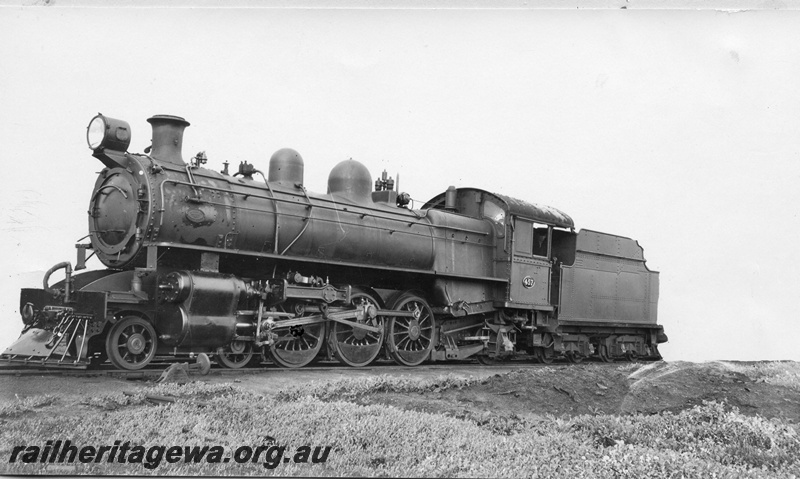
(680, 385)
(568, 390)
(604, 388)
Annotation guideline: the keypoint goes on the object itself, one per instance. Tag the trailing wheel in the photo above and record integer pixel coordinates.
(297, 346)
(410, 338)
(486, 360)
(355, 346)
(235, 355)
(131, 343)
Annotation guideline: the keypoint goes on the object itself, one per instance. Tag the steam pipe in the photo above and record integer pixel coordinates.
(67, 282)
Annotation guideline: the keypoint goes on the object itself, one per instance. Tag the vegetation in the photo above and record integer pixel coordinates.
(353, 387)
(776, 373)
(708, 440)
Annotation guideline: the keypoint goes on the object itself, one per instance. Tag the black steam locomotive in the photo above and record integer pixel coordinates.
(247, 266)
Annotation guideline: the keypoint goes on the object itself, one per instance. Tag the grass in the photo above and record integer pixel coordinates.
(710, 440)
(776, 373)
(25, 405)
(349, 388)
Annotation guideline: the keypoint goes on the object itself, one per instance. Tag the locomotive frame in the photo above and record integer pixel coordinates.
(200, 261)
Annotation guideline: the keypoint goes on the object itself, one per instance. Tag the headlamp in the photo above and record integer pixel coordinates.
(108, 133)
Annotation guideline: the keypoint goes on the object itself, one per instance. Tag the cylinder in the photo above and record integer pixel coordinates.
(199, 308)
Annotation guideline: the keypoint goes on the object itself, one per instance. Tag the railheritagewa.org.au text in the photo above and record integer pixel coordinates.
(58, 452)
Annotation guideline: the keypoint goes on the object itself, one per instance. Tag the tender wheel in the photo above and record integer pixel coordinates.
(574, 358)
(297, 346)
(235, 355)
(544, 356)
(602, 353)
(354, 346)
(631, 356)
(410, 339)
(131, 343)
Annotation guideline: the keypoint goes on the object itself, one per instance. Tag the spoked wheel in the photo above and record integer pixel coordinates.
(131, 343)
(297, 346)
(602, 353)
(355, 346)
(235, 355)
(574, 358)
(410, 339)
(544, 356)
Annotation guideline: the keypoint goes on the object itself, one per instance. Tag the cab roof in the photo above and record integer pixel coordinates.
(514, 207)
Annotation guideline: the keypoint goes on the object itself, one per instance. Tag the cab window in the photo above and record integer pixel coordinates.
(531, 239)
(523, 237)
(494, 212)
(540, 242)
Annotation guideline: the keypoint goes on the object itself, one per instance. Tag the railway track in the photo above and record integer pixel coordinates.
(155, 370)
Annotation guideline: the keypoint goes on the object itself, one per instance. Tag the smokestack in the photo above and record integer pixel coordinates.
(167, 138)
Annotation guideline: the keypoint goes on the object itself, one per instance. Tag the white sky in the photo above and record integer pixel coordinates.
(680, 129)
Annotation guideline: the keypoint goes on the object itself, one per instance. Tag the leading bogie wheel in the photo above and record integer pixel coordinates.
(409, 339)
(356, 346)
(131, 343)
(235, 355)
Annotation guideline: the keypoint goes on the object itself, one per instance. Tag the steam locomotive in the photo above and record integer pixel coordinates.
(247, 266)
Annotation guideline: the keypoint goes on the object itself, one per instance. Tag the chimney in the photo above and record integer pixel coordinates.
(167, 138)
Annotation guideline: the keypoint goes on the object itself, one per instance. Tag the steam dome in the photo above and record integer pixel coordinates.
(351, 180)
(286, 167)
